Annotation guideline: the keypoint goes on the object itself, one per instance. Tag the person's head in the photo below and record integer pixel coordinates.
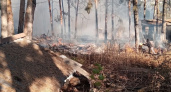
(147, 40)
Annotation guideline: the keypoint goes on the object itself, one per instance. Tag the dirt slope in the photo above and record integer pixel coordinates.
(25, 67)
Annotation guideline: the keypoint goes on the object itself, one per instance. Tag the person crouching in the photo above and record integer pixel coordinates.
(150, 46)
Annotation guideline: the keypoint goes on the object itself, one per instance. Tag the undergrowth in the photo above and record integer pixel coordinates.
(126, 70)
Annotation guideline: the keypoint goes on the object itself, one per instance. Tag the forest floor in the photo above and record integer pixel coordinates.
(114, 71)
(26, 67)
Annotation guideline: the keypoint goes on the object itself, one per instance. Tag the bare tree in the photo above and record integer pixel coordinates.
(112, 19)
(21, 16)
(53, 34)
(4, 18)
(69, 29)
(76, 18)
(129, 11)
(10, 26)
(136, 24)
(29, 18)
(155, 10)
(96, 15)
(144, 9)
(157, 18)
(63, 16)
(106, 13)
(163, 37)
(60, 7)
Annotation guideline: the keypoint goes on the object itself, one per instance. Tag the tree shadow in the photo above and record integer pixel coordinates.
(32, 67)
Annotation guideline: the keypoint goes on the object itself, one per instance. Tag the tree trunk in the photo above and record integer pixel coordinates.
(155, 10)
(76, 18)
(129, 9)
(29, 17)
(52, 15)
(163, 35)
(53, 34)
(21, 16)
(112, 20)
(136, 24)
(61, 18)
(4, 33)
(96, 15)
(10, 26)
(144, 9)
(106, 13)
(157, 19)
(69, 29)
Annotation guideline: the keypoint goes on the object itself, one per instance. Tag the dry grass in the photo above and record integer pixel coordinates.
(128, 71)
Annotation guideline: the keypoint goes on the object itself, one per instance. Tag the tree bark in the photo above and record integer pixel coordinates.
(129, 9)
(144, 9)
(10, 26)
(157, 19)
(136, 24)
(53, 34)
(29, 18)
(106, 13)
(61, 18)
(112, 19)
(155, 10)
(163, 37)
(69, 29)
(76, 18)
(52, 15)
(21, 16)
(96, 15)
(4, 19)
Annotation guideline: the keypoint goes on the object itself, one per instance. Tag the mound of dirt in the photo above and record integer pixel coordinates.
(26, 67)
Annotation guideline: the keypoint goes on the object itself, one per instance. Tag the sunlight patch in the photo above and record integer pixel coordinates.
(45, 85)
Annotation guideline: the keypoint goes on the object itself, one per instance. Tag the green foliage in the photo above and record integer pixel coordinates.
(88, 7)
(97, 75)
(101, 77)
(96, 71)
(99, 67)
(97, 84)
(92, 76)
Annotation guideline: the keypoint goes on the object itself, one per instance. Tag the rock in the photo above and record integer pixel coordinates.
(74, 81)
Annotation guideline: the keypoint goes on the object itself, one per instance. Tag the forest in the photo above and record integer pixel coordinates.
(85, 46)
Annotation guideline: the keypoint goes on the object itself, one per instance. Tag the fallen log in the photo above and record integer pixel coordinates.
(12, 38)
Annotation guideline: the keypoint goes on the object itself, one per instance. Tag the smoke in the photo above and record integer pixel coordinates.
(86, 22)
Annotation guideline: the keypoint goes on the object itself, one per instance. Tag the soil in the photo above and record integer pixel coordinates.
(26, 67)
